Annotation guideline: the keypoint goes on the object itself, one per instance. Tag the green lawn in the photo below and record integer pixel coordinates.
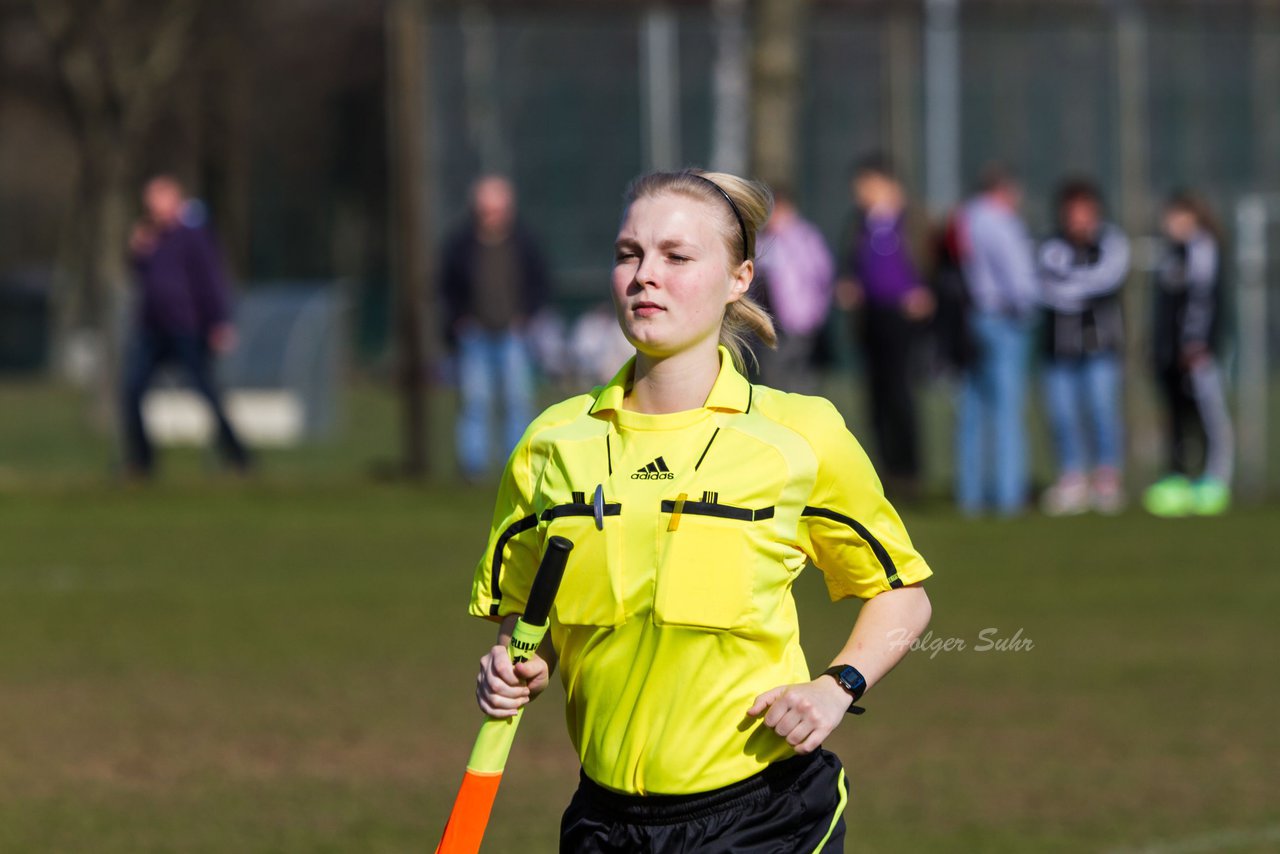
(285, 665)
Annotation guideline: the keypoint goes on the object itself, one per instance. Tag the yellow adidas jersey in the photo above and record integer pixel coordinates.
(676, 608)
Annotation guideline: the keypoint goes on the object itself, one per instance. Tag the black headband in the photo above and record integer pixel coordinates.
(733, 207)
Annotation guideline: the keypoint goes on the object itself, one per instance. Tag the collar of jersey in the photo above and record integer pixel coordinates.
(730, 393)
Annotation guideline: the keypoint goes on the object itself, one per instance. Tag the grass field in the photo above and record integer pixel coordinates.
(285, 665)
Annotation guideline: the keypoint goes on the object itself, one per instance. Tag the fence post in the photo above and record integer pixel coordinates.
(942, 103)
(1253, 397)
(660, 87)
(731, 77)
(1132, 126)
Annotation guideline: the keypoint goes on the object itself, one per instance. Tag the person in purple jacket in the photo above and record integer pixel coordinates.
(183, 317)
(879, 279)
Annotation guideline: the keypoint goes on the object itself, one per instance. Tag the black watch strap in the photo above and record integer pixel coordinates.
(852, 681)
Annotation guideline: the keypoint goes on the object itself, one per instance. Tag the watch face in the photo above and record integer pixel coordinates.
(852, 680)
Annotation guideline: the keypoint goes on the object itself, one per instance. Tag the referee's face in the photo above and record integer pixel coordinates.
(672, 275)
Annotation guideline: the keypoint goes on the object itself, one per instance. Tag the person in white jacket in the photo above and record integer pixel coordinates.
(1082, 269)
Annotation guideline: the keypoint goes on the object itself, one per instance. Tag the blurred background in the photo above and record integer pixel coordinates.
(274, 656)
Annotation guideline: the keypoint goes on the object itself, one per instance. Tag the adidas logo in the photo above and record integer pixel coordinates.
(656, 470)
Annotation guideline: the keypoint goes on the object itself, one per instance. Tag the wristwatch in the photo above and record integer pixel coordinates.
(850, 680)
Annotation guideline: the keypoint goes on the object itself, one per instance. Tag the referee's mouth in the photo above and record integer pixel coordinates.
(644, 308)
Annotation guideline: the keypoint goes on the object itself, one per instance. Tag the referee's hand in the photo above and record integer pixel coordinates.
(804, 714)
(503, 688)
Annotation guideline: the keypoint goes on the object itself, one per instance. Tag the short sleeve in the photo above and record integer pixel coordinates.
(849, 529)
(507, 567)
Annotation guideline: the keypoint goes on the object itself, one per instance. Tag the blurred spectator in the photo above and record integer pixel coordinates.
(184, 315)
(1000, 279)
(494, 281)
(952, 344)
(797, 273)
(880, 281)
(547, 336)
(1082, 268)
(598, 346)
(1188, 310)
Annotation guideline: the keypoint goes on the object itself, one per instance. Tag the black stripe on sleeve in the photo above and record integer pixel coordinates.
(877, 548)
(530, 521)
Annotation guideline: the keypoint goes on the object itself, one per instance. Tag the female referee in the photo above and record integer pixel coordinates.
(694, 499)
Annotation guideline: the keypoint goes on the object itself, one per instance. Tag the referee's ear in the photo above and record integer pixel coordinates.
(742, 278)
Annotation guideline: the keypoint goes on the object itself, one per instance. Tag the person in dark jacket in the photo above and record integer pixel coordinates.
(183, 317)
(1186, 334)
(493, 282)
(880, 281)
(1082, 269)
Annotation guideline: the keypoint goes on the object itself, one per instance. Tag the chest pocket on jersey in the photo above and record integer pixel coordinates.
(591, 592)
(706, 572)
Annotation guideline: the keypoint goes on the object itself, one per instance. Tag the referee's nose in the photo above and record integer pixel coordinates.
(646, 273)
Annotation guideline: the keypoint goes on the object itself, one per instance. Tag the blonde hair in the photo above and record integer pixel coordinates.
(745, 206)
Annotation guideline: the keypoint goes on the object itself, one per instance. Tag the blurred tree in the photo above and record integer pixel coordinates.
(408, 103)
(115, 63)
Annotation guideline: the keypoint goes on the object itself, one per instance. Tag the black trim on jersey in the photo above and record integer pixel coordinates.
(530, 521)
(560, 511)
(707, 448)
(877, 548)
(576, 508)
(722, 511)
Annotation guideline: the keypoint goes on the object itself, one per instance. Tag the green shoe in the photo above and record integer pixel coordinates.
(1170, 497)
(1211, 497)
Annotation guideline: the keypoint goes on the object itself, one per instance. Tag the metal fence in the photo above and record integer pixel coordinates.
(574, 100)
(565, 100)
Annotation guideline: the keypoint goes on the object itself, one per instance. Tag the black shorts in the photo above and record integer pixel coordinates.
(793, 806)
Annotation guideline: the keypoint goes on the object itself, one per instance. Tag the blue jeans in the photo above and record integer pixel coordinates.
(489, 364)
(1088, 385)
(991, 435)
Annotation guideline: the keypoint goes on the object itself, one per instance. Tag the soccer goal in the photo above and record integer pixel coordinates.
(281, 383)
